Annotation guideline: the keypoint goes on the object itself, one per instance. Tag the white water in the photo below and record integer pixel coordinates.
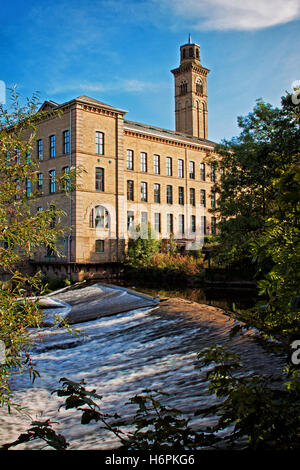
(120, 356)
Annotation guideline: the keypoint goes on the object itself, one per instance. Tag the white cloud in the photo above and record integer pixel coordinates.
(134, 85)
(235, 14)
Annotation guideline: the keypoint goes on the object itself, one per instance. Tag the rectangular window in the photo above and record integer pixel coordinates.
(212, 173)
(202, 197)
(129, 160)
(156, 192)
(130, 219)
(213, 225)
(192, 170)
(156, 164)
(18, 156)
(144, 219)
(169, 166)
(28, 188)
(170, 223)
(66, 142)
(66, 173)
(144, 196)
(169, 194)
(202, 171)
(40, 149)
(203, 224)
(143, 162)
(180, 169)
(192, 197)
(213, 199)
(99, 143)
(18, 190)
(181, 195)
(181, 223)
(52, 146)
(52, 181)
(91, 219)
(53, 218)
(99, 246)
(99, 179)
(193, 223)
(129, 190)
(157, 222)
(40, 181)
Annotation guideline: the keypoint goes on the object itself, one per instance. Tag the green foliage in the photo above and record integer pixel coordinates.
(262, 413)
(23, 231)
(161, 428)
(259, 200)
(157, 427)
(40, 430)
(142, 248)
(268, 145)
(172, 247)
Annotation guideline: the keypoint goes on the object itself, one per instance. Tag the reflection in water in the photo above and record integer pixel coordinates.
(225, 297)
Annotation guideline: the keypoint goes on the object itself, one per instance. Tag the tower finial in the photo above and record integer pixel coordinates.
(190, 39)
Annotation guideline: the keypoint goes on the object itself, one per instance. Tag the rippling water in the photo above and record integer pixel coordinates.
(119, 356)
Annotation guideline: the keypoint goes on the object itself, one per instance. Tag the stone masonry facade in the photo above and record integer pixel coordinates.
(132, 174)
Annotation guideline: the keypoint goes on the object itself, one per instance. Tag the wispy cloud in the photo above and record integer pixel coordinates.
(130, 86)
(234, 14)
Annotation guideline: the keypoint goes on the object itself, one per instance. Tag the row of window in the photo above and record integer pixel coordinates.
(170, 223)
(169, 166)
(52, 145)
(99, 150)
(99, 218)
(99, 145)
(51, 181)
(189, 52)
(183, 87)
(169, 194)
(99, 186)
(205, 229)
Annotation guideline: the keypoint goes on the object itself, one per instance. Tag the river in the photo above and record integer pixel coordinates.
(121, 355)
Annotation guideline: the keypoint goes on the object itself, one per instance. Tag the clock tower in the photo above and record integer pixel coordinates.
(191, 92)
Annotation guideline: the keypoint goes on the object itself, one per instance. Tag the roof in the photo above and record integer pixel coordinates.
(135, 126)
(89, 100)
(48, 104)
(166, 133)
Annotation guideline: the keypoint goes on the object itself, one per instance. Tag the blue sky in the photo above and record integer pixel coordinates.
(121, 52)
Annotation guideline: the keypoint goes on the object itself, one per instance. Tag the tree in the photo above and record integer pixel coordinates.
(23, 230)
(142, 248)
(267, 146)
(259, 200)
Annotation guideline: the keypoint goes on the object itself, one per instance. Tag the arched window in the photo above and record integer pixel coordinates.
(183, 88)
(191, 52)
(199, 86)
(99, 217)
(183, 54)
